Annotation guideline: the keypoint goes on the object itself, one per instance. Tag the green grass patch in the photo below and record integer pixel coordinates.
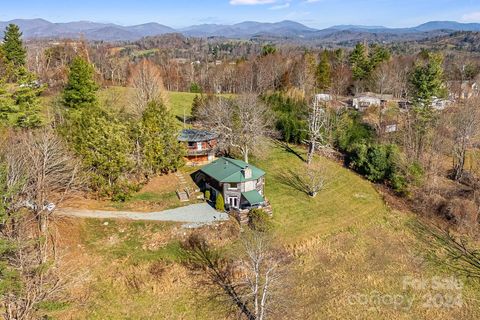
(133, 241)
(51, 306)
(347, 201)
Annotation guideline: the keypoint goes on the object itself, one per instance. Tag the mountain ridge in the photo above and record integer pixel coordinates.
(41, 28)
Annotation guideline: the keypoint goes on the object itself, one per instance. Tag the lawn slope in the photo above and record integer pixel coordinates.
(344, 243)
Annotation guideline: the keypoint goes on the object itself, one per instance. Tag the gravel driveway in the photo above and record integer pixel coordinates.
(195, 215)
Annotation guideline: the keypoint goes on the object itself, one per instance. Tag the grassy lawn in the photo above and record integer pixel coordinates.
(348, 201)
(120, 97)
(347, 242)
(343, 243)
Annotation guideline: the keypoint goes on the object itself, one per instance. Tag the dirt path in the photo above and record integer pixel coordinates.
(194, 215)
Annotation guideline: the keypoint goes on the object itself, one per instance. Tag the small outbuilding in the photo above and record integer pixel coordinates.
(201, 145)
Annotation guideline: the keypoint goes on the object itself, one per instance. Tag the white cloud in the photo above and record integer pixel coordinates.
(312, 1)
(471, 17)
(250, 2)
(280, 6)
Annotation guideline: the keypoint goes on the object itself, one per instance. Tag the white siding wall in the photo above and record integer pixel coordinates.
(250, 185)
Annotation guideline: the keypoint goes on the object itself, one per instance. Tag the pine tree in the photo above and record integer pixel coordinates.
(27, 101)
(6, 102)
(160, 148)
(103, 144)
(359, 62)
(81, 88)
(426, 82)
(324, 71)
(15, 52)
(364, 60)
(196, 105)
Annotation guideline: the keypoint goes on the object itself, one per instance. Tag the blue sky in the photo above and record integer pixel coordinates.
(180, 13)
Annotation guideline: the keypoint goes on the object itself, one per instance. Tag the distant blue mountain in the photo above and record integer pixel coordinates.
(448, 25)
(40, 28)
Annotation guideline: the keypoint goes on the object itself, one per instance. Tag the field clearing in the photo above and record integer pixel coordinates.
(345, 242)
(179, 103)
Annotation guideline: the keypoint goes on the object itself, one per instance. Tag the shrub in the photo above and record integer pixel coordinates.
(207, 195)
(123, 190)
(195, 88)
(349, 131)
(259, 220)
(290, 117)
(220, 203)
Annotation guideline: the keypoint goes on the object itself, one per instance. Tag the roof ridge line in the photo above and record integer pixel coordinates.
(232, 161)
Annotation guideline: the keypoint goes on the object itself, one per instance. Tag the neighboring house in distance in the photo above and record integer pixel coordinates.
(241, 184)
(440, 104)
(437, 104)
(369, 99)
(201, 145)
(363, 102)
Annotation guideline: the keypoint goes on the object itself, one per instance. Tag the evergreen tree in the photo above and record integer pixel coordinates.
(196, 105)
(220, 203)
(377, 55)
(268, 49)
(324, 70)
(13, 48)
(160, 148)
(81, 88)
(364, 60)
(359, 62)
(6, 102)
(27, 101)
(103, 144)
(426, 82)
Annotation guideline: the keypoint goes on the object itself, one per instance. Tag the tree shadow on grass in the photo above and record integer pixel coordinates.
(293, 179)
(289, 149)
(453, 252)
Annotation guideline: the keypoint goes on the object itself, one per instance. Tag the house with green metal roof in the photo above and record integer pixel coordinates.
(241, 184)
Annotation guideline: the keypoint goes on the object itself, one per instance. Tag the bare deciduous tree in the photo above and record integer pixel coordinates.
(318, 128)
(242, 123)
(311, 179)
(147, 80)
(249, 282)
(455, 253)
(466, 129)
(36, 172)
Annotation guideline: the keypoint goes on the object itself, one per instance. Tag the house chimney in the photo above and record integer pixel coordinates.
(247, 172)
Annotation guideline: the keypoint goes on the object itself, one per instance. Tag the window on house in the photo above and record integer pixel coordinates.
(233, 186)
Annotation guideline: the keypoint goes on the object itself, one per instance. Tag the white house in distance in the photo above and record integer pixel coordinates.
(440, 104)
(363, 102)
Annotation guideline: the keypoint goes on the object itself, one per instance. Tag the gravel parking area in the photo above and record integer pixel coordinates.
(194, 215)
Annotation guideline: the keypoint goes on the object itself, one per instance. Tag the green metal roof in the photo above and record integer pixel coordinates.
(230, 170)
(253, 197)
